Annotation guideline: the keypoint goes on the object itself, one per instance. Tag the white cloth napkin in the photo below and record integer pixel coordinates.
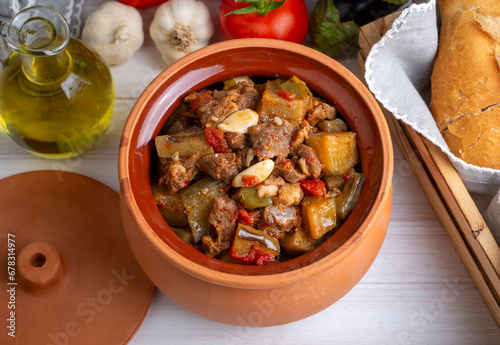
(70, 9)
(398, 70)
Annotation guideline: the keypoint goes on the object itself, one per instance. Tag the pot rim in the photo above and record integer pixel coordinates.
(274, 279)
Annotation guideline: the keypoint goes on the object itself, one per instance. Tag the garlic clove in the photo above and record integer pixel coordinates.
(239, 121)
(254, 174)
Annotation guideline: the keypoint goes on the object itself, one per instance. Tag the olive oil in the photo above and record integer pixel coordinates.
(56, 106)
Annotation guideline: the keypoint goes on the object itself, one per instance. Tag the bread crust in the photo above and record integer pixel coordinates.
(465, 82)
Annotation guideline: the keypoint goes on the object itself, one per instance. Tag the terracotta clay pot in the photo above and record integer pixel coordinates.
(256, 295)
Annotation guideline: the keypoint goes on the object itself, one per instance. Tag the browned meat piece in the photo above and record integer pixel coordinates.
(235, 141)
(286, 168)
(221, 166)
(216, 111)
(278, 220)
(177, 173)
(271, 139)
(320, 112)
(309, 161)
(222, 221)
(242, 158)
(249, 98)
(289, 194)
(244, 94)
(300, 135)
(192, 96)
(269, 187)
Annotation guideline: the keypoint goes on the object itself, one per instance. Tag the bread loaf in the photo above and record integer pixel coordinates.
(465, 82)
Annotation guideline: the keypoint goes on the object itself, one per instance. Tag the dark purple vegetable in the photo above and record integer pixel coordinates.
(365, 11)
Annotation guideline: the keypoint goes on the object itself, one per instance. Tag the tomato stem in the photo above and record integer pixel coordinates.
(261, 7)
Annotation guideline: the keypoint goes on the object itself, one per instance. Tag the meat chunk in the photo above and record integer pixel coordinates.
(177, 173)
(320, 112)
(269, 187)
(215, 111)
(309, 161)
(285, 168)
(248, 98)
(235, 141)
(300, 135)
(271, 139)
(221, 166)
(222, 221)
(278, 220)
(289, 194)
(243, 94)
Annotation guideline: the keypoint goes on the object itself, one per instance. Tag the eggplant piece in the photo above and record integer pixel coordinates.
(333, 181)
(364, 11)
(187, 143)
(198, 201)
(338, 151)
(297, 242)
(319, 215)
(350, 195)
(253, 246)
(184, 234)
(335, 125)
(171, 207)
(336, 180)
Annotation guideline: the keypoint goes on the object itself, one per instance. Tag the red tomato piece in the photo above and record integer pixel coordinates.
(216, 139)
(255, 256)
(314, 187)
(203, 98)
(249, 181)
(286, 95)
(248, 218)
(289, 22)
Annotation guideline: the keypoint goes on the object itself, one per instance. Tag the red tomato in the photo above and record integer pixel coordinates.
(216, 139)
(142, 3)
(255, 256)
(314, 187)
(203, 98)
(250, 180)
(248, 218)
(290, 22)
(286, 95)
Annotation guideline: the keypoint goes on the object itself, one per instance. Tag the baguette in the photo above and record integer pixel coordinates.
(465, 81)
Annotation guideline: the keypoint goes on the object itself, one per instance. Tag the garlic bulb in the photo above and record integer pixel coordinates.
(180, 27)
(114, 31)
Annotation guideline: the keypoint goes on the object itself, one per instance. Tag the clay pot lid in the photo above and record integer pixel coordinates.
(76, 280)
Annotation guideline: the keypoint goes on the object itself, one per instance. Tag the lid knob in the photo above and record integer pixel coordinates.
(39, 266)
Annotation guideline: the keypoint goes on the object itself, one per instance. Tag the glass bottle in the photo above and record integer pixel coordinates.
(56, 95)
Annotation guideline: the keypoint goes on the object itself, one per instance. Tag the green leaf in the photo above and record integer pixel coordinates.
(261, 7)
(328, 35)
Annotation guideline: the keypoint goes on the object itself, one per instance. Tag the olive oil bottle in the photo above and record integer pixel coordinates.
(56, 95)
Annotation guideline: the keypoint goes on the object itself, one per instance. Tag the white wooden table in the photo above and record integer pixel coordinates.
(417, 291)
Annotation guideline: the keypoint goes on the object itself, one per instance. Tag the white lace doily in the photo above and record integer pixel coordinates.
(398, 70)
